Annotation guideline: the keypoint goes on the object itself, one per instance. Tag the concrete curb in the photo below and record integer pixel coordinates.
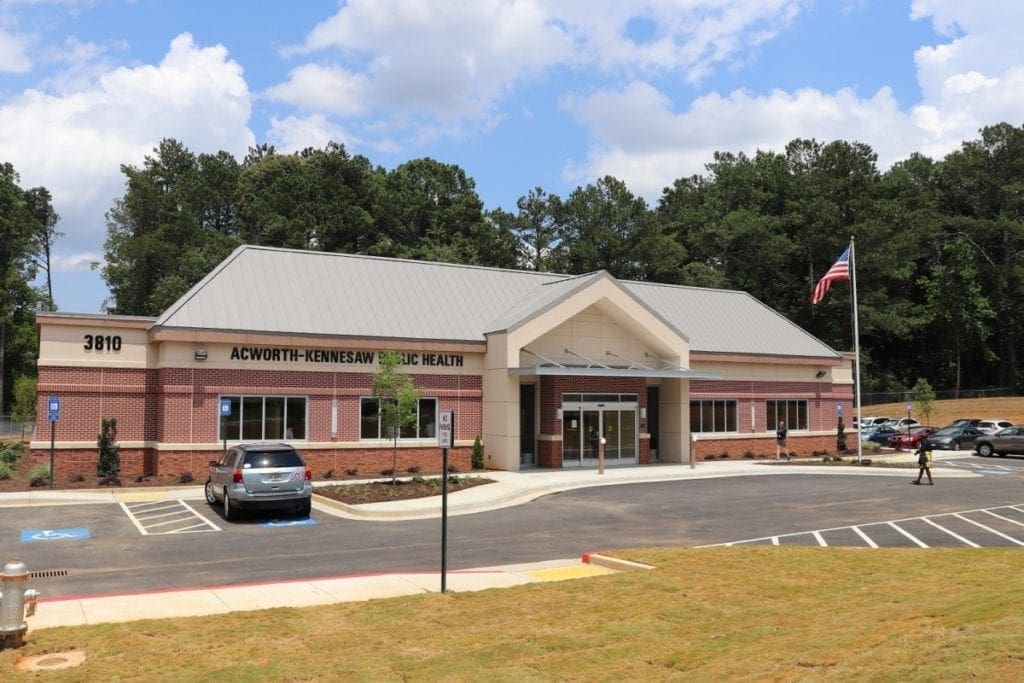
(613, 563)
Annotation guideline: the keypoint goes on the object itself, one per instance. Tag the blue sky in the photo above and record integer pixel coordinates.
(519, 93)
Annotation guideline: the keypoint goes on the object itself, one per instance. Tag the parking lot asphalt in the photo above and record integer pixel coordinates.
(508, 489)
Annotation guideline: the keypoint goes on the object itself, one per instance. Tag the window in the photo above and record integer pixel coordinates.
(423, 427)
(713, 416)
(264, 418)
(793, 413)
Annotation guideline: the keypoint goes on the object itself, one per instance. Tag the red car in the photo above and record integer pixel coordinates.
(910, 439)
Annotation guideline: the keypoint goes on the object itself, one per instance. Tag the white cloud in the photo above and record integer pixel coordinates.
(641, 140)
(294, 133)
(74, 263)
(13, 53)
(74, 141)
(974, 79)
(419, 69)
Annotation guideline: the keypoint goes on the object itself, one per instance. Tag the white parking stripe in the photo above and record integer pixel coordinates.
(990, 530)
(775, 540)
(821, 541)
(951, 533)
(182, 516)
(864, 536)
(913, 538)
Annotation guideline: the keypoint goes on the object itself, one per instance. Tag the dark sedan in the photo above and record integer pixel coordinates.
(1003, 442)
(952, 438)
(881, 435)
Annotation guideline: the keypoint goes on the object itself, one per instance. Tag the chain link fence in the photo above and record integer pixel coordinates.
(10, 428)
(908, 396)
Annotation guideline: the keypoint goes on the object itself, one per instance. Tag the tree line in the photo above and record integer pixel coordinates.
(938, 242)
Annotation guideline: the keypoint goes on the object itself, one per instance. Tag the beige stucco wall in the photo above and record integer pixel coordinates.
(182, 354)
(64, 344)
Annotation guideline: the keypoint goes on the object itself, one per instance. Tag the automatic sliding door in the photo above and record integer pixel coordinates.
(591, 434)
(571, 437)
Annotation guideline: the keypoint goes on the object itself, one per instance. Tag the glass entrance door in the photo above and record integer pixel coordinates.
(585, 422)
(591, 435)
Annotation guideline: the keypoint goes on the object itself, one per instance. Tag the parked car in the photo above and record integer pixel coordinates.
(911, 438)
(870, 422)
(902, 424)
(1003, 442)
(260, 476)
(993, 425)
(880, 434)
(965, 422)
(952, 438)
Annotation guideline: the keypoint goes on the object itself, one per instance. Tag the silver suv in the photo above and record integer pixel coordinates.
(260, 476)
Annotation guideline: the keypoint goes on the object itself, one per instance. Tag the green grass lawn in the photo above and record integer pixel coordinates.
(778, 613)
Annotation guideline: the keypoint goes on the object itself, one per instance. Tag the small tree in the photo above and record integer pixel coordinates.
(110, 459)
(924, 399)
(478, 455)
(24, 408)
(398, 400)
(840, 437)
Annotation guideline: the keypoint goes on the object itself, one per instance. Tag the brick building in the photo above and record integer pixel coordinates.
(547, 370)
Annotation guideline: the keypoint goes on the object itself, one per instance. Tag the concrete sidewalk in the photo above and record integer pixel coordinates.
(510, 488)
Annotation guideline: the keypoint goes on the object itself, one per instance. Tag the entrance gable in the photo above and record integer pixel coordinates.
(598, 315)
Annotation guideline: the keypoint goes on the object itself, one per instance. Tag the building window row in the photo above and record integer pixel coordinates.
(277, 418)
(264, 418)
(423, 427)
(721, 416)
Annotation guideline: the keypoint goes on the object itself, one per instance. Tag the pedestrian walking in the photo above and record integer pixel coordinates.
(780, 440)
(924, 464)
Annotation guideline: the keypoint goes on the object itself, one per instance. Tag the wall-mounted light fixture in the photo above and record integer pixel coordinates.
(820, 374)
(200, 354)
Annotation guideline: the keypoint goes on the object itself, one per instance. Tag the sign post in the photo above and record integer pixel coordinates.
(445, 431)
(53, 413)
(225, 411)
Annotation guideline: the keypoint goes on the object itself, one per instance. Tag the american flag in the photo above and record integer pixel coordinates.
(840, 270)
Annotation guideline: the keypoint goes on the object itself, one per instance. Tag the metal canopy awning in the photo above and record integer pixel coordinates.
(593, 368)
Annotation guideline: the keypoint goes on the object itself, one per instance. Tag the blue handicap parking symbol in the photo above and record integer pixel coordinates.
(305, 521)
(54, 534)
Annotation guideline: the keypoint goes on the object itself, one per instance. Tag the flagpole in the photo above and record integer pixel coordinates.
(856, 346)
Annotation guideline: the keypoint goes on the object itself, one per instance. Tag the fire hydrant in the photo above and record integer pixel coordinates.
(16, 603)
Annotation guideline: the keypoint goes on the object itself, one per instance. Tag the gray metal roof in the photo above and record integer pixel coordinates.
(262, 289)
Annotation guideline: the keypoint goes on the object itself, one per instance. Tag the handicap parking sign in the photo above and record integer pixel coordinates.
(53, 409)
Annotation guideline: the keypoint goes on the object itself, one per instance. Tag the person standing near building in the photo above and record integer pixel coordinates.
(780, 440)
(924, 464)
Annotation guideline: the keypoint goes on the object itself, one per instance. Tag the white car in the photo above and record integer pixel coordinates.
(993, 425)
(867, 423)
(902, 424)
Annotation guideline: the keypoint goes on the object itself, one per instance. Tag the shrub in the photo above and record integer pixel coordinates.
(452, 479)
(10, 452)
(453, 468)
(478, 455)
(329, 474)
(418, 480)
(749, 455)
(39, 476)
(387, 472)
(141, 479)
(109, 464)
(110, 481)
(413, 469)
(352, 472)
(724, 456)
(709, 456)
(6, 470)
(186, 478)
(77, 477)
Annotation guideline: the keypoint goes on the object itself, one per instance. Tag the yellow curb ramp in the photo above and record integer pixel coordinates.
(563, 573)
